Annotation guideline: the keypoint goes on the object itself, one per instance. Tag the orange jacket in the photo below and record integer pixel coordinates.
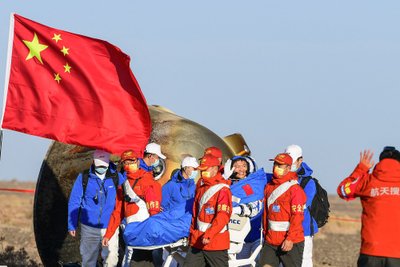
(288, 208)
(216, 212)
(380, 199)
(146, 188)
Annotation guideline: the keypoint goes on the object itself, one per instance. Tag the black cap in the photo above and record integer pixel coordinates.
(389, 152)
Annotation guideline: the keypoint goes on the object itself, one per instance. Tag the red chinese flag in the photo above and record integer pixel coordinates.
(73, 89)
(248, 190)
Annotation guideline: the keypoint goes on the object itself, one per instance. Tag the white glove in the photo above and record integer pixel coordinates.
(246, 210)
(130, 195)
(227, 169)
(237, 210)
(255, 207)
(241, 210)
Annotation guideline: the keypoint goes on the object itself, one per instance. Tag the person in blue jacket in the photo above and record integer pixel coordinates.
(310, 226)
(93, 207)
(247, 187)
(178, 192)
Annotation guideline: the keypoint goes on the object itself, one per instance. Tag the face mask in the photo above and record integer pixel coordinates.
(279, 171)
(155, 164)
(206, 174)
(100, 169)
(293, 168)
(130, 168)
(193, 175)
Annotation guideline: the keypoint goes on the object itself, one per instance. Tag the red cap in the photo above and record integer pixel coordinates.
(208, 161)
(283, 158)
(213, 151)
(129, 154)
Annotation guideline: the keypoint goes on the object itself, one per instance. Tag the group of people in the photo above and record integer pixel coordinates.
(106, 199)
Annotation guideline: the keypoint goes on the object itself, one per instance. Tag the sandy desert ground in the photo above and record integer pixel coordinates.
(337, 244)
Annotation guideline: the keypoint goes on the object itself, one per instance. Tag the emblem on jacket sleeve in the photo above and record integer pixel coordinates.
(276, 208)
(210, 210)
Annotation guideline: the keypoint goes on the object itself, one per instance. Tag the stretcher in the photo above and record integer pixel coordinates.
(174, 251)
(239, 227)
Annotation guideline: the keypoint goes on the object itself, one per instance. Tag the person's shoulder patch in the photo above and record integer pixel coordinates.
(210, 210)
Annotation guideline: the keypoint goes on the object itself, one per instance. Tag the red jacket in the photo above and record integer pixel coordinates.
(288, 208)
(216, 212)
(146, 188)
(380, 198)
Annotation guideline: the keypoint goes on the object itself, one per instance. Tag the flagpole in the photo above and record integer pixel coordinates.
(7, 74)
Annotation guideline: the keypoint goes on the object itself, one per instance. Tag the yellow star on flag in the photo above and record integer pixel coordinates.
(35, 48)
(67, 68)
(56, 37)
(64, 50)
(57, 77)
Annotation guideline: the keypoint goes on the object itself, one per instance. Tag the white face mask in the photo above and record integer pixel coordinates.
(293, 168)
(193, 175)
(100, 169)
(155, 164)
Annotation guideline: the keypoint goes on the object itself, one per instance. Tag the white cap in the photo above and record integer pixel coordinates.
(294, 151)
(189, 162)
(101, 158)
(154, 148)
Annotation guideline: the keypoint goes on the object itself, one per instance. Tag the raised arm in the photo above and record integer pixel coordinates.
(352, 186)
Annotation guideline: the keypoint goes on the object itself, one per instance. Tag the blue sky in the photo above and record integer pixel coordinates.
(323, 75)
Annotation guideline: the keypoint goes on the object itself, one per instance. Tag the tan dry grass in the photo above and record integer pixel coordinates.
(16, 218)
(338, 242)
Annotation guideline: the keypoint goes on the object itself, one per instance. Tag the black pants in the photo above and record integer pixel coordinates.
(142, 258)
(273, 255)
(157, 257)
(200, 258)
(375, 261)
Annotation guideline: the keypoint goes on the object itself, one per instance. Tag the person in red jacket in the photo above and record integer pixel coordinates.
(214, 151)
(209, 235)
(134, 205)
(283, 216)
(379, 192)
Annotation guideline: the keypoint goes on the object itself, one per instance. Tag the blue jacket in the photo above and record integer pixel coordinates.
(97, 204)
(310, 190)
(170, 225)
(144, 166)
(251, 189)
(178, 195)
